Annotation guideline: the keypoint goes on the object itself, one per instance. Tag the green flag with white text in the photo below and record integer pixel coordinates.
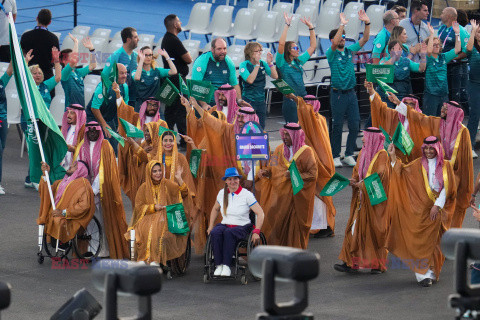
(195, 159)
(161, 130)
(334, 185)
(117, 137)
(53, 142)
(387, 138)
(375, 190)
(167, 93)
(296, 178)
(183, 87)
(385, 87)
(130, 129)
(402, 140)
(282, 86)
(108, 78)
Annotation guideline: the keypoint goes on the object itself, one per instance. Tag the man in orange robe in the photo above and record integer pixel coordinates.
(364, 242)
(288, 217)
(100, 158)
(421, 205)
(74, 203)
(316, 136)
(73, 130)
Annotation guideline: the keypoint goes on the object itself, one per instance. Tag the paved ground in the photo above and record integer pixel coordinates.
(38, 291)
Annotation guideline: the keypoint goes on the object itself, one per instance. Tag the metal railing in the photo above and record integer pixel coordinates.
(75, 14)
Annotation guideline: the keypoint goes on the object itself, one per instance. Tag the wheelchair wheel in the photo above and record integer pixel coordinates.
(209, 262)
(88, 243)
(180, 264)
(50, 247)
(251, 246)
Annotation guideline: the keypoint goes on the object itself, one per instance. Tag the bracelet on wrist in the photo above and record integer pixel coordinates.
(256, 230)
(311, 29)
(91, 50)
(270, 65)
(287, 24)
(367, 24)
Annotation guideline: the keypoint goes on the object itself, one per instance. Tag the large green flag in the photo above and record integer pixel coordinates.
(402, 140)
(375, 190)
(130, 129)
(53, 144)
(334, 185)
(108, 78)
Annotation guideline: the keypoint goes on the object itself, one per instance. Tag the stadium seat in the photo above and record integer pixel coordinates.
(110, 48)
(102, 33)
(332, 4)
(67, 43)
(191, 45)
(282, 7)
(159, 62)
(243, 27)
(375, 13)
(88, 91)
(57, 108)
(117, 36)
(159, 43)
(84, 54)
(92, 80)
(12, 85)
(13, 110)
(3, 67)
(328, 19)
(313, 3)
(292, 34)
(221, 24)
(235, 50)
(58, 34)
(146, 38)
(352, 29)
(308, 12)
(81, 30)
(237, 59)
(352, 7)
(260, 7)
(199, 19)
(267, 30)
(309, 73)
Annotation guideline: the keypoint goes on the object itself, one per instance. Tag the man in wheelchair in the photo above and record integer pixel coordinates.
(234, 203)
(74, 202)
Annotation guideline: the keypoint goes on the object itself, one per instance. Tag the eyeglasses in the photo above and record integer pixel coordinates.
(436, 46)
(258, 51)
(153, 104)
(294, 48)
(149, 55)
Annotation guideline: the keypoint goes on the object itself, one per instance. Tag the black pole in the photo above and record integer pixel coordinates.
(75, 13)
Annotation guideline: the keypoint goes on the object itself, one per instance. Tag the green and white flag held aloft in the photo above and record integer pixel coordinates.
(201, 90)
(296, 178)
(167, 93)
(44, 139)
(387, 138)
(334, 185)
(385, 87)
(183, 86)
(176, 219)
(130, 129)
(402, 140)
(117, 137)
(108, 78)
(195, 159)
(375, 190)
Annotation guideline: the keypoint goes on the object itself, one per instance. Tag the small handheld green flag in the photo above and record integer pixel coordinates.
(282, 86)
(375, 190)
(161, 130)
(387, 138)
(296, 178)
(385, 87)
(201, 90)
(382, 72)
(108, 79)
(402, 140)
(183, 87)
(117, 137)
(177, 220)
(195, 158)
(167, 93)
(130, 129)
(334, 185)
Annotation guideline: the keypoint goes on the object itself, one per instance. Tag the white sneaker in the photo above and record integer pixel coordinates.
(35, 185)
(2, 191)
(154, 264)
(226, 272)
(218, 271)
(474, 155)
(349, 161)
(337, 162)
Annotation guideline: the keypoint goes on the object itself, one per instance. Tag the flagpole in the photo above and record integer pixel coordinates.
(23, 78)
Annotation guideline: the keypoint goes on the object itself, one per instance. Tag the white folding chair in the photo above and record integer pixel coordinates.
(235, 50)
(81, 30)
(282, 7)
(375, 13)
(146, 38)
(328, 19)
(221, 24)
(191, 45)
(237, 59)
(102, 33)
(113, 46)
(57, 108)
(267, 30)
(13, 107)
(308, 12)
(244, 25)
(352, 29)
(332, 4)
(352, 7)
(199, 19)
(313, 3)
(117, 36)
(260, 7)
(67, 42)
(292, 34)
(92, 80)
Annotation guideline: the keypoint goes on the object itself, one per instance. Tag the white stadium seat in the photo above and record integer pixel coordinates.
(328, 19)
(260, 7)
(308, 12)
(117, 36)
(267, 30)
(244, 25)
(332, 4)
(221, 24)
(59, 90)
(292, 34)
(352, 7)
(88, 91)
(313, 3)
(92, 80)
(102, 33)
(3, 67)
(146, 38)
(199, 19)
(235, 50)
(375, 13)
(68, 42)
(14, 108)
(282, 7)
(57, 108)
(81, 30)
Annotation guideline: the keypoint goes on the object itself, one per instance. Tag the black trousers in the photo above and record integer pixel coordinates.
(175, 114)
(5, 53)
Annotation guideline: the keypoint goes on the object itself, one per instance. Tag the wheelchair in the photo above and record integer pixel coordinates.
(174, 267)
(86, 244)
(240, 259)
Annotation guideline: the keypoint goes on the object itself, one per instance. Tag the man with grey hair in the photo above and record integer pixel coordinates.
(456, 70)
(390, 20)
(215, 66)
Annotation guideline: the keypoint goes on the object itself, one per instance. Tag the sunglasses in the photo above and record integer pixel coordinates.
(343, 36)
(294, 48)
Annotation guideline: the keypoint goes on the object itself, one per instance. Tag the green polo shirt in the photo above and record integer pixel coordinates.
(45, 87)
(205, 68)
(380, 43)
(148, 84)
(98, 98)
(436, 82)
(72, 83)
(3, 98)
(256, 90)
(342, 67)
(474, 63)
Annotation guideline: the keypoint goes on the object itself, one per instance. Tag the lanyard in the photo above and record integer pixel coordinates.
(446, 37)
(416, 32)
(40, 27)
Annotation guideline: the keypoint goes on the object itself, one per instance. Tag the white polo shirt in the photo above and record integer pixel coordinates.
(239, 203)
